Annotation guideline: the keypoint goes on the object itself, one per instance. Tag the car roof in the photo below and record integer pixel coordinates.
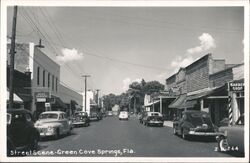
(18, 111)
(194, 111)
(53, 112)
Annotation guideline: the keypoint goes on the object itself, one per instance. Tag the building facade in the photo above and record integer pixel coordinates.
(202, 85)
(45, 79)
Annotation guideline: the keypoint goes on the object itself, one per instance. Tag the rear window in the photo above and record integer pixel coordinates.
(198, 119)
(48, 116)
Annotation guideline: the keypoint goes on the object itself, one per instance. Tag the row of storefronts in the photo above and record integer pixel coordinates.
(37, 82)
(207, 85)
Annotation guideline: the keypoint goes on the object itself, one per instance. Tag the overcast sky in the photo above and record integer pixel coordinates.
(118, 45)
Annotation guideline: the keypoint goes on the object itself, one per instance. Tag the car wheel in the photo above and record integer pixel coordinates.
(183, 135)
(175, 133)
(223, 145)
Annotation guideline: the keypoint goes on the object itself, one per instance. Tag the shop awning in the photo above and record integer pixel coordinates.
(220, 92)
(56, 101)
(152, 103)
(16, 98)
(179, 102)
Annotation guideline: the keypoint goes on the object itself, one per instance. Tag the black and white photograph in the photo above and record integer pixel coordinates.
(124, 81)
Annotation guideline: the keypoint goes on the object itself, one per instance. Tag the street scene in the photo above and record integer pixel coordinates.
(125, 82)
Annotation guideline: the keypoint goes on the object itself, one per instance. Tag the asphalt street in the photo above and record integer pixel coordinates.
(111, 137)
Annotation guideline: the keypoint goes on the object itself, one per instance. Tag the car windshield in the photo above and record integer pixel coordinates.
(199, 119)
(48, 116)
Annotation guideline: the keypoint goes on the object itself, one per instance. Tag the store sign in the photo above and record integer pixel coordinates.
(236, 86)
(41, 96)
(47, 104)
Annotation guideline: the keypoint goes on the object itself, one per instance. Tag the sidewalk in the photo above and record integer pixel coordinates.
(168, 124)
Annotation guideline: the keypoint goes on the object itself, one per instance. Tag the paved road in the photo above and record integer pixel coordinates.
(111, 137)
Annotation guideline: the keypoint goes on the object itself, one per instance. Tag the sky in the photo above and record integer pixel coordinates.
(119, 45)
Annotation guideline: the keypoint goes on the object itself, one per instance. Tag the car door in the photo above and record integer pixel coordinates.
(65, 122)
(19, 129)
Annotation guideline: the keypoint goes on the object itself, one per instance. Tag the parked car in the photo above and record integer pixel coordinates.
(110, 113)
(21, 133)
(232, 137)
(93, 116)
(148, 114)
(155, 120)
(123, 115)
(53, 123)
(81, 119)
(194, 123)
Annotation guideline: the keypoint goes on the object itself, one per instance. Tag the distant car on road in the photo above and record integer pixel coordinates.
(194, 123)
(123, 115)
(155, 120)
(53, 123)
(93, 116)
(21, 133)
(109, 113)
(232, 137)
(148, 114)
(81, 119)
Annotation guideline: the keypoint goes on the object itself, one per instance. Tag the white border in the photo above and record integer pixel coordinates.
(5, 3)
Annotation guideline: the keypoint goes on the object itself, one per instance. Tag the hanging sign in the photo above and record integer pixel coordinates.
(236, 86)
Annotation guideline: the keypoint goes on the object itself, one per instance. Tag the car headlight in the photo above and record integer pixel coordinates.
(50, 128)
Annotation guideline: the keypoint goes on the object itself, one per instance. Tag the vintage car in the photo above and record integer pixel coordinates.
(154, 120)
(231, 138)
(21, 133)
(194, 123)
(148, 114)
(109, 113)
(123, 115)
(94, 116)
(53, 123)
(81, 119)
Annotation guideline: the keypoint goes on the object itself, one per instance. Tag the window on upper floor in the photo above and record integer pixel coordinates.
(38, 75)
(48, 79)
(43, 78)
(56, 84)
(53, 82)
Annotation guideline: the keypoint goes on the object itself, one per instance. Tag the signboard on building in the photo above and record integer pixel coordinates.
(41, 96)
(236, 86)
(47, 104)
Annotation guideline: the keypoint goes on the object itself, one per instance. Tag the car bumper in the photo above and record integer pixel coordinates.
(155, 122)
(203, 133)
(93, 118)
(79, 123)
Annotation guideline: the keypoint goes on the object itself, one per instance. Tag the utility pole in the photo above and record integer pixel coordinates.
(12, 58)
(97, 96)
(85, 94)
